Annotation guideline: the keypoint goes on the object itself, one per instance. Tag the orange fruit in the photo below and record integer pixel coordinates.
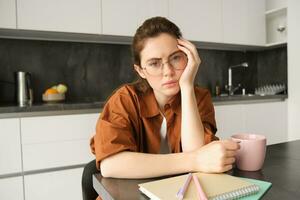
(51, 91)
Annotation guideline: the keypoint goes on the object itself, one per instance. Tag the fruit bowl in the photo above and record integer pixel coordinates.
(53, 98)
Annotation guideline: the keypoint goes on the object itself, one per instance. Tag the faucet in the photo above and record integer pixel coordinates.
(230, 87)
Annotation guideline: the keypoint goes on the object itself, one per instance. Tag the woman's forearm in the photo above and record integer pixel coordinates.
(192, 131)
(143, 165)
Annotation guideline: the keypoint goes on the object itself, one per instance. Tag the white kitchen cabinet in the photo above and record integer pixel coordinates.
(199, 20)
(60, 15)
(269, 119)
(56, 141)
(230, 120)
(11, 188)
(276, 22)
(65, 184)
(8, 14)
(244, 22)
(10, 146)
(121, 17)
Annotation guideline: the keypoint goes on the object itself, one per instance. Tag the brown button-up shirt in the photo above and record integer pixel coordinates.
(131, 121)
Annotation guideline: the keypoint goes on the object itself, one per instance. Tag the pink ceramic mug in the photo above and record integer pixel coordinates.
(251, 155)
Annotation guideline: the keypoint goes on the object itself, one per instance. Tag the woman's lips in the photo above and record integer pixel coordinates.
(170, 83)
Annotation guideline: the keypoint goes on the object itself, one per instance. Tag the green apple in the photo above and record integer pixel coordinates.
(61, 88)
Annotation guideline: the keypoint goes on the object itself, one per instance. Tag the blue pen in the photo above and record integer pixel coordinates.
(181, 192)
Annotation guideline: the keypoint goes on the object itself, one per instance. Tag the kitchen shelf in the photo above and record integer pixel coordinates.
(276, 44)
(276, 26)
(275, 12)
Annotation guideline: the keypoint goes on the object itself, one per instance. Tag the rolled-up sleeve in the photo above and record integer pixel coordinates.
(114, 129)
(207, 113)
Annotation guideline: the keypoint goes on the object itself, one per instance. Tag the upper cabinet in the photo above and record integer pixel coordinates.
(78, 16)
(241, 22)
(8, 14)
(121, 17)
(199, 20)
(244, 22)
(276, 22)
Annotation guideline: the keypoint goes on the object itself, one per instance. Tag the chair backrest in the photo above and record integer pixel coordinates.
(88, 192)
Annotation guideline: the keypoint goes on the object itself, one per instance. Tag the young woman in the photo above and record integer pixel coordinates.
(161, 124)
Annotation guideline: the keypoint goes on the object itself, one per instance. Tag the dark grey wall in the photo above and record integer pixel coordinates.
(93, 71)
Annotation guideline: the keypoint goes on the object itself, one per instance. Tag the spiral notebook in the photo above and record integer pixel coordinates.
(215, 186)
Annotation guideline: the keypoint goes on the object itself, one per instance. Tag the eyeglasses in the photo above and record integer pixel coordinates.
(177, 61)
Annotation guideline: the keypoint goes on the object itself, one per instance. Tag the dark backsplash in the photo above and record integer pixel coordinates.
(93, 71)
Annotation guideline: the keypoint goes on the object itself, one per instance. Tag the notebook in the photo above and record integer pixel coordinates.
(215, 186)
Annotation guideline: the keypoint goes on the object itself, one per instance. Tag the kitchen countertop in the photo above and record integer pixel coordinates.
(84, 107)
(246, 99)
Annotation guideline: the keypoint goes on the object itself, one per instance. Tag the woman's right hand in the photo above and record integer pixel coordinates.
(215, 157)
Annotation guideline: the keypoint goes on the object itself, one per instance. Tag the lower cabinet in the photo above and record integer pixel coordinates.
(57, 141)
(65, 184)
(230, 119)
(11, 188)
(10, 146)
(50, 150)
(269, 119)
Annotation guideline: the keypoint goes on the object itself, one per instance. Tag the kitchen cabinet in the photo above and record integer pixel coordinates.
(244, 22)
(269, 119)
(10, 146)
(60, 15)
(8, 14)
(276, 22)
(199, 20)
(65, 184)
(121, 17)
(230, 119)
(54, 149)
(11, 188)
(57, 141)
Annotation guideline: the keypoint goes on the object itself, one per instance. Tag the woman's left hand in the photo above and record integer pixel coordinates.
(188, 76)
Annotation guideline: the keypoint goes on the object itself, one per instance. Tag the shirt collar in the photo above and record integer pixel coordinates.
(150, 108)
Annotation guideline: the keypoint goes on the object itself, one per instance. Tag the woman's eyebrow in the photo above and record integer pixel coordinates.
(154, 59)
(174, 53)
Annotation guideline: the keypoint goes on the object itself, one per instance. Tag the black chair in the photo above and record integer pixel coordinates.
(88, 192)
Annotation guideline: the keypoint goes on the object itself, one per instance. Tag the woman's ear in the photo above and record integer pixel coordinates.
(140, 71)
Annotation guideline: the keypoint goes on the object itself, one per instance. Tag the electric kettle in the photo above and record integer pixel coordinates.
(24, 92)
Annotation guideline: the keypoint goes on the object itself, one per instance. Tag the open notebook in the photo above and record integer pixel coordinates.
(215, 186)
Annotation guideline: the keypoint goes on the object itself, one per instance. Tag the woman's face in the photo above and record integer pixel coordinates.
(162, 48)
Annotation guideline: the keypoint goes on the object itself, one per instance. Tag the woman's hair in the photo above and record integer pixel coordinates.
(152, 27)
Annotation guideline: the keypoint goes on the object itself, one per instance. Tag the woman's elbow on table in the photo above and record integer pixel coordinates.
(105, 168)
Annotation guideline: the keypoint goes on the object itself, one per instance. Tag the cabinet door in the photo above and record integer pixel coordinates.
(56, 141)
(199, 20)
(256, 24)
(8, 14)
(244, 22)
(64, 184)
(230, 120)
(60, 15)
(11, 188)
(152, 8)
(124, 17)
(235, 21)
(269, 119)
(10, 146)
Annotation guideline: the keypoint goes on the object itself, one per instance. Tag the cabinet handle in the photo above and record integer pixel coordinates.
(281, 28)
